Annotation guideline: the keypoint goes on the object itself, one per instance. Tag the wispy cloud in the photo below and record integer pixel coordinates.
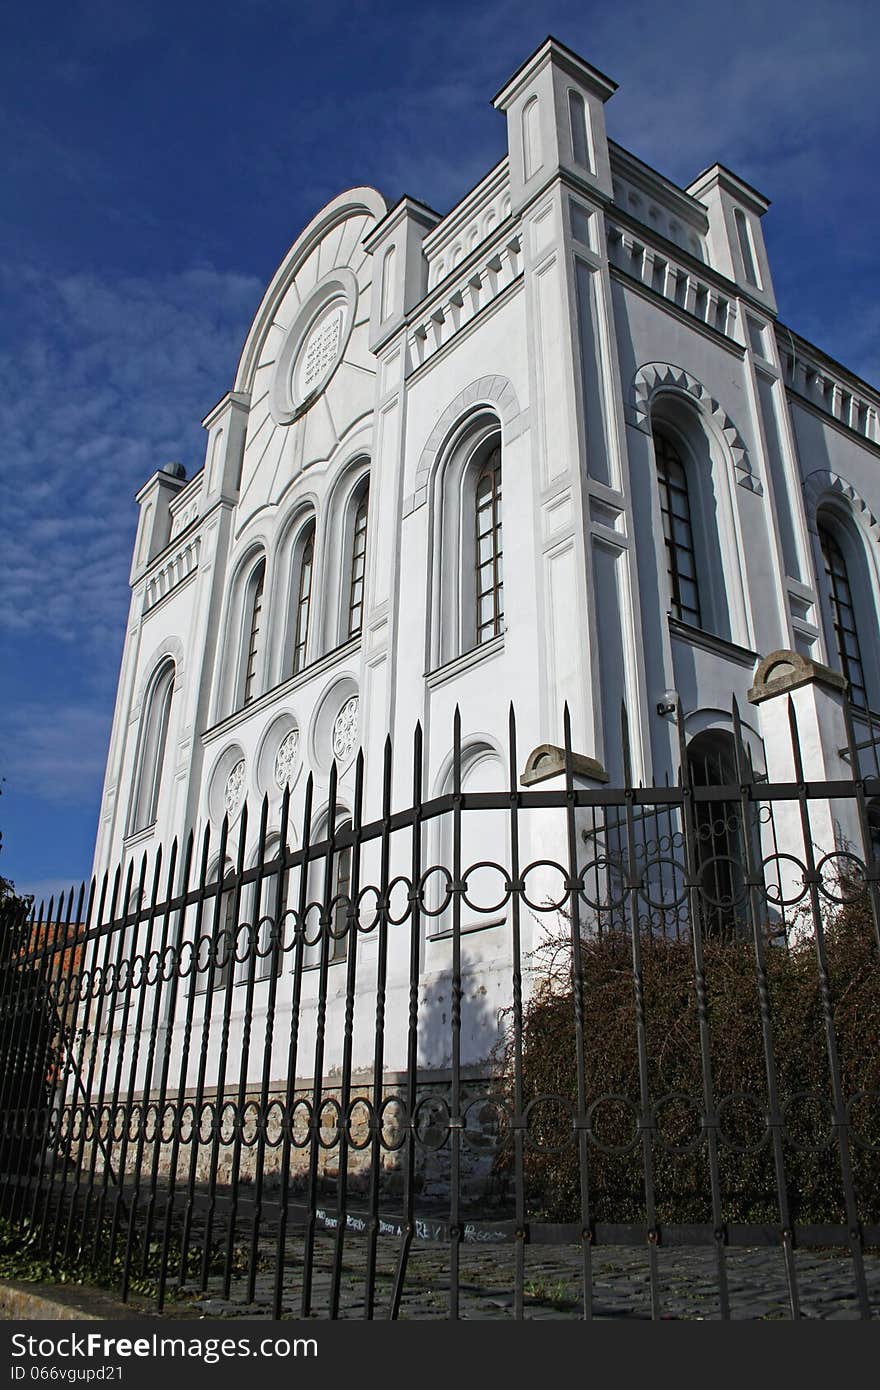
(109, 384)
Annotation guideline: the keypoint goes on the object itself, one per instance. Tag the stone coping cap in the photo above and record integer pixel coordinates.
(784, 670)
(548, 760)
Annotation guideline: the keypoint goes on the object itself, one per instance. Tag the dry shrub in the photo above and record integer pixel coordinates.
(679, 1149)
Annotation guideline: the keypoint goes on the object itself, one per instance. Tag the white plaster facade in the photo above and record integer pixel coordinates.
(570, 304)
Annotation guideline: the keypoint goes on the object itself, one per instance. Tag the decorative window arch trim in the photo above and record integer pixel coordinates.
(654, 377)
(822, 486)
(170, 649)
(495, 393)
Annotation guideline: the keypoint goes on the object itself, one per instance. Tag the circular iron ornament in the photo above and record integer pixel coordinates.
(151, 1122)
(393, 1129)
(549, 904)
(123, 976)
(372, 921)
(336, 910)
(187, 961)
(565, 1107)
(725, 1104)
(97, 982)
(289, 930)
(625, 1104)
(491, 1118)
(502, 901)
(317, 913)
(331, 1106)
(666, 904)
(137, 971)
(274, 1124)
(673, 1098)
(442, 870)
(230, 1127)
(244, 940)
(53, 1128)
(62, 990)
(85, 987)
(286, 759)
(397, 920)
(607, 903)
(169, 964)
(153, 963)
(727, 899)
(822, 1104)
(842, 856)
(109, 981)
(856, 1137)
(119, 1124)
(106, 1121)
(251, 1124)
(168, 1128)
(134, 1123)
(204, 954)
(773, 892)
(186, 1122)
(355, 1126)
(233, 791)
(266, 938)
(207, 1121)
(431, 1122)
(301, 1124)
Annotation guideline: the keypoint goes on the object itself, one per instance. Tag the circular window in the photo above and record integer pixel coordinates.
(314, 346)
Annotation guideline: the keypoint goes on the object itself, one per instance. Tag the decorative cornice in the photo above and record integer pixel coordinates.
(654, 377)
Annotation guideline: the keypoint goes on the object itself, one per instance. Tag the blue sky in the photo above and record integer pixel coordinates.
(160, 158)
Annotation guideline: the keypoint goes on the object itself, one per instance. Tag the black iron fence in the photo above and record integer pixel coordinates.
(322, 1076)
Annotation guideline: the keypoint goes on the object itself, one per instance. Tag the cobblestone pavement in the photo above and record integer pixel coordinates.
(688, 1283)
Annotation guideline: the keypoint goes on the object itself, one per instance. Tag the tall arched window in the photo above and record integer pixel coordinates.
(678, 536)
(303, 573)
(488, 555)
(151, 755)
(253, 632)
(358, 553)
(468, 587)
(843, 615)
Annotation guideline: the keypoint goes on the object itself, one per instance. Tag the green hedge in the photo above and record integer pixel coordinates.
(674, 1066)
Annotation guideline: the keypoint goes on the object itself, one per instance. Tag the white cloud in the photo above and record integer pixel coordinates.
(109, 383)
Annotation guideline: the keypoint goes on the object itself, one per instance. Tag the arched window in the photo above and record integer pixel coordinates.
(357, 569)
(468, 590)
(678, 536)
(699, 523)
(719, 836)
(489, 577)
(843, 615)
(253, 633)
(301, 594)
(151, 755)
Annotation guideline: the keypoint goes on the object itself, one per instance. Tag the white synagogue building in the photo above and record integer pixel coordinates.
(551, 447)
